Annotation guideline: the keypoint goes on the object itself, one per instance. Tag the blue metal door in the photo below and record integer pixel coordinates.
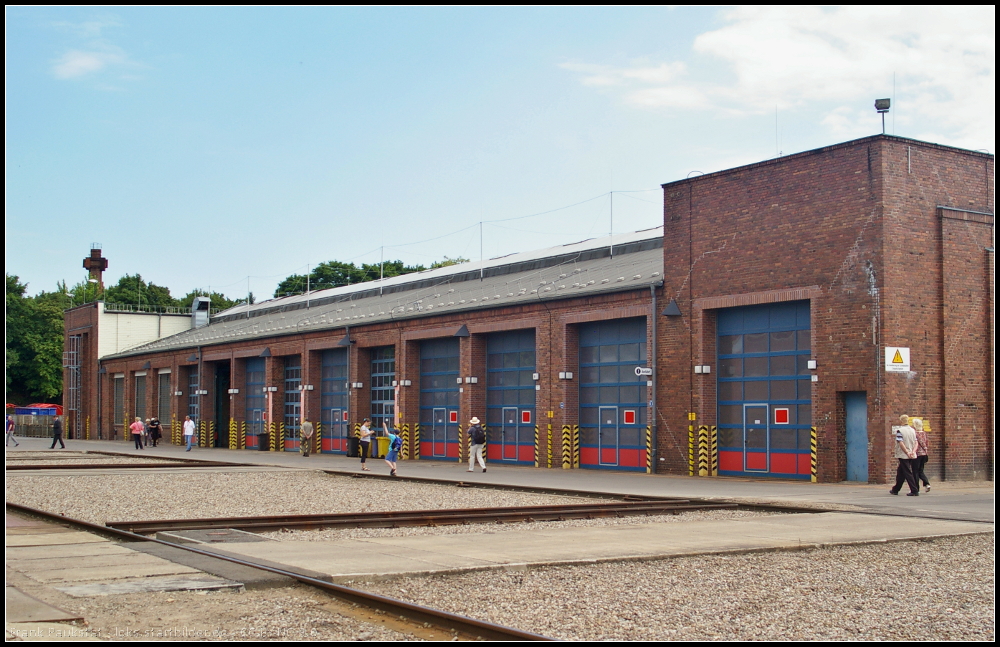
(856, 405)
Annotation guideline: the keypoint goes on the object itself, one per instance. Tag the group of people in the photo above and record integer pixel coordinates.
(395, 445)
(145, 434)
(911, 452)
(477, 441)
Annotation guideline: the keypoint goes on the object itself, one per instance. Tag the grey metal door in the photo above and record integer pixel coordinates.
(439, 433)
(756, 440)
(508, 434)
(607, 436)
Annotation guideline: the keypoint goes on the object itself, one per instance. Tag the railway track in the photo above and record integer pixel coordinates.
(450, 622)
(403, 518)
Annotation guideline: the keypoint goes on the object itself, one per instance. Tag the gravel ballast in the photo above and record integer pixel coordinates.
(245, 494)
(941, 589)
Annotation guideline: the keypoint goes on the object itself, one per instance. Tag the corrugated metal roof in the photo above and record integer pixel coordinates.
(563, 272)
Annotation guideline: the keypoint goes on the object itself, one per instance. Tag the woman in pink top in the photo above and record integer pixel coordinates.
(137, 428)
(918, 427)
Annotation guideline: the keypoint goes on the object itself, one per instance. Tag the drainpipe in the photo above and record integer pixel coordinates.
(652, 426)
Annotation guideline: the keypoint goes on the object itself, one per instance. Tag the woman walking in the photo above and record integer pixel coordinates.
(395, 444)
(366, 441)
(918, 427)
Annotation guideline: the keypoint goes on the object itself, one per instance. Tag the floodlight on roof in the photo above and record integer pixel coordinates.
(882, 106)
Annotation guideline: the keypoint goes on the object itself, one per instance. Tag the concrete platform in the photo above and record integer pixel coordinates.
(542, 545)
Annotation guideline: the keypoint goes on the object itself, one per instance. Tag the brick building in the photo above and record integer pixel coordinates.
(748, 336)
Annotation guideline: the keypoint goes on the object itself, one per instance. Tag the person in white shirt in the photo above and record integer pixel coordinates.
(366, 441)
(906, 453)
(188, 431)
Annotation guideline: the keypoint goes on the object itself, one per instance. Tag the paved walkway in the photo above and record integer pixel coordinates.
(947, 500)
(543, 545)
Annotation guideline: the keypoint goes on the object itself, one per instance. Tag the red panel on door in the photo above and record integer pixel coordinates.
(493, 451)
(783, 463)
(451, 450)
(588, 456)
(756, 461)
(609, 456)
(526, 453)
(629, 458)
(731, 461)
(805, 464)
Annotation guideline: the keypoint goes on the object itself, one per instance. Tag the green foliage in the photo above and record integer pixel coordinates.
(34, 343)
(334, 274)
(83, 292)
(219, 301)
(448, 262)
(132, 290)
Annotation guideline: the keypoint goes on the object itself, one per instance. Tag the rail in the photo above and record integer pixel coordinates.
(404, 518)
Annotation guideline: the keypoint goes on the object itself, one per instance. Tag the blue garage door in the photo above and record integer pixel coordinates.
(764, 390)
(612, 396)
(333, 401)
(510, 397)
(439, 399)
(256, 400)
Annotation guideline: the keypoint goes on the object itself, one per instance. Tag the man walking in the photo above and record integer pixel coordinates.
(477, 438)
(57, 432)
(188, 432)
(906, 453)
(10, 433)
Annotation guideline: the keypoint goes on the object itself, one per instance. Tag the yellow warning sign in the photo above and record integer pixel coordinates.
(897, 359)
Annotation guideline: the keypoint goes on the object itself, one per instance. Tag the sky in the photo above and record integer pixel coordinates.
(227, 148)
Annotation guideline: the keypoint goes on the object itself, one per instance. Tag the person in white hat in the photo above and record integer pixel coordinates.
(477, 440)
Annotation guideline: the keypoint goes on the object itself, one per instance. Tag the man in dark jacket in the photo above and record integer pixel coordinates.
(57, 433)
(477, 440)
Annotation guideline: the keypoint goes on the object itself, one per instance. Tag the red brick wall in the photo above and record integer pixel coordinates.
(853, 229)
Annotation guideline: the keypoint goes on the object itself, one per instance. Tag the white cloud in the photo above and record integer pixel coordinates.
(94, 53)
(76, 63)
(834, 61)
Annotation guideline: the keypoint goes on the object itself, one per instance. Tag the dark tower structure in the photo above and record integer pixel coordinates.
(96, 264)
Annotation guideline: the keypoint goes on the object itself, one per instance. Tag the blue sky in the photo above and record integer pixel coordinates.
(201, 147)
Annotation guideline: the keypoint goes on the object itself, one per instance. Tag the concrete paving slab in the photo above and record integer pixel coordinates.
(252, 578)
(54, 539)
(22, 607)
(109, 561)
(539, 545)
(73, 550)
(105, 573)
(198, 582)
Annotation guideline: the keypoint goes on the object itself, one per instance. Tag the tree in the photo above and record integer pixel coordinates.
(447, 262)
(219, 301)
(334, 274)
(132, 290)
(34, 343)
